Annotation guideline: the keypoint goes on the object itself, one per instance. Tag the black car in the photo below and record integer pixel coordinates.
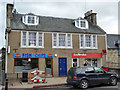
(87, 75)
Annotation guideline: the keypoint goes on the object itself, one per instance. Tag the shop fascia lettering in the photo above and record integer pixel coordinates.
(78, 54)
(32, 55)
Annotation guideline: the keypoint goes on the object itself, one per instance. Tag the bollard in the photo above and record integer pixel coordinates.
(6, 84)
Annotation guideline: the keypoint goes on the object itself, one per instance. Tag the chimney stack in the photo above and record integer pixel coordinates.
(91, 17)
(9, 14)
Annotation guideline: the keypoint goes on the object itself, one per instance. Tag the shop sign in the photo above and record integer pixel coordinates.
(87, 55)
(33, 55)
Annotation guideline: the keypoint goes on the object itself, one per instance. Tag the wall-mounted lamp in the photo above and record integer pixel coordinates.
(29, 59)
(55, 55)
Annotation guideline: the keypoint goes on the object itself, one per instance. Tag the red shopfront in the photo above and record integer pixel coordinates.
(92, 59)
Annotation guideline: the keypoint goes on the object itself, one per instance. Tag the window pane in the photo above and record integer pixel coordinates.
(31, 19)
(69, 40)
(89, 70)
(81, 40)
(94, 41)
(54, 39)
(24, 39)
(74, 62)
(98, 70)
(62, 39)
(23, 65)
(88, 41)
(32, 39)
(82, 23)
(40, 39)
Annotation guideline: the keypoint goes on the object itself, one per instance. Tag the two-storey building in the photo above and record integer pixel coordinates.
(52, 44)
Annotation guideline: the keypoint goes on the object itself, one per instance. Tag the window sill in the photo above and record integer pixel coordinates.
(31, 47)
(62, 47)
(88, 48)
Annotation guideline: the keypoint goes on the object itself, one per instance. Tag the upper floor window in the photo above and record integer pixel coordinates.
(94, 42)
(88, 41)
(30, 20)
(61, 40)
(32, 39)
(81, 23)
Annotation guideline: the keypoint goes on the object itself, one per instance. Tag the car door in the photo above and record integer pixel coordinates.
(91, 75)
(102, 76)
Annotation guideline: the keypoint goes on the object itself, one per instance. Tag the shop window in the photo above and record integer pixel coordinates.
(22, 65)
(61, 40)
(32, 39)
(93, 62)
(75, 62)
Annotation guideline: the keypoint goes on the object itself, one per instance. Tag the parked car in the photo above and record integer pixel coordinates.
(85, 76)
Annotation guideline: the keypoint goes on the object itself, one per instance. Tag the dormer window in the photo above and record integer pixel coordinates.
(81, 23)
(30, 20)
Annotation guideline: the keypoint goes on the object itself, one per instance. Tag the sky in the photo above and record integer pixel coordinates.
(107, 11)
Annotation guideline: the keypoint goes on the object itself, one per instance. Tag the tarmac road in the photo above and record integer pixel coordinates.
(68, 87)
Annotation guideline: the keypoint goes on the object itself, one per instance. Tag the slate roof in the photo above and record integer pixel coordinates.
(112, 40)
(52, 24)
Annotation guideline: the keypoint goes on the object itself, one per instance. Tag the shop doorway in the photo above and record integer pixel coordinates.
(49, 66)
(62, 66)
(75, 62)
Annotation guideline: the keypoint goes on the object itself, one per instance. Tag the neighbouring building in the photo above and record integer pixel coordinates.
(52, 44)
(113, 55)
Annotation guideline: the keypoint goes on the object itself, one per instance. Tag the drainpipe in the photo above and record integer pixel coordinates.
(106, 48)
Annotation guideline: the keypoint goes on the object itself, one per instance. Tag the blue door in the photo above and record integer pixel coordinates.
(62, 66)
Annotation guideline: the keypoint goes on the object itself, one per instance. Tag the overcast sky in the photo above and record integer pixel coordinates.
(107, 11)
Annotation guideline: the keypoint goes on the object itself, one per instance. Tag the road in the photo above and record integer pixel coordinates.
(100, 87)
(68, 87)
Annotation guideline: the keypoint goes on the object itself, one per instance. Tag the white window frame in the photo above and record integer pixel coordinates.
(84, 41)
(78, 24)
(66, 41)
(77, 61)
(25, 20)
(37, 40)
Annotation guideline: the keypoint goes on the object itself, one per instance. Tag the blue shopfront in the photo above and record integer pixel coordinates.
(28, 62)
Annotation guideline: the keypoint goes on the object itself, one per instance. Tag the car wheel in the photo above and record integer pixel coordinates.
(84, 84)
(113, 81)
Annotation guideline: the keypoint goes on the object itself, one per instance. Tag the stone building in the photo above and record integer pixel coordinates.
(52, 44)
(113, 50)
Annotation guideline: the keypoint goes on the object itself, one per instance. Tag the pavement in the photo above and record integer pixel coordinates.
(50, 82)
